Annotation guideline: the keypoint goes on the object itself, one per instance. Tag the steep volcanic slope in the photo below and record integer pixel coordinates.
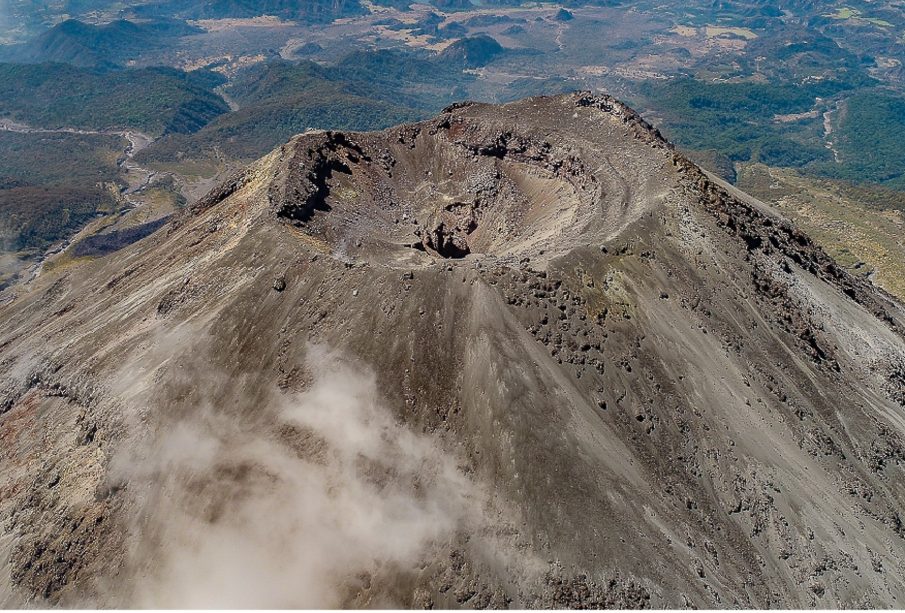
(519, 355)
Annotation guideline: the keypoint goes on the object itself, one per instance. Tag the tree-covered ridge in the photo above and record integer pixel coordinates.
(783, 124)
(58, 159)
(870, 139)
(105, 45)
(51, 184)
(278, 99)
(253, 131)
(152, 100)
(33, 217)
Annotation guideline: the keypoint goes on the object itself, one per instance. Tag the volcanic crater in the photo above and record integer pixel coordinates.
(605, 378)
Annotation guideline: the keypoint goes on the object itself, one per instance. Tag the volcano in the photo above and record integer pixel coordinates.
(524, 355)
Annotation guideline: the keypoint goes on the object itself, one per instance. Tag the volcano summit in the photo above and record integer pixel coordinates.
(521, 355)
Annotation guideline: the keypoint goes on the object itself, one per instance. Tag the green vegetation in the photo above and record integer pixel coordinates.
(776, 150)
(407, 78)
(738, 119)
(843, 12)
(32, 218)
(110, 44)
(59, 159)
(846, 13)
(152, 100)
(775, 124)
(249, 133)
(51, 184)
(275, 80)
(870, 140)
(365, 91)
(474, 51)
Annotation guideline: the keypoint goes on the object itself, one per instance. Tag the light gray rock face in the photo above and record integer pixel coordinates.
(521, 355)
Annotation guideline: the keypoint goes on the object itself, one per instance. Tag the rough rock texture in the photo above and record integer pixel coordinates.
(675, 398)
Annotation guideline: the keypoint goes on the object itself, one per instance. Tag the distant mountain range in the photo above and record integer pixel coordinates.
(108, 45)
(309, 11)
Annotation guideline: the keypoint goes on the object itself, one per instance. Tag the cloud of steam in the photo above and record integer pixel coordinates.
(301, 513)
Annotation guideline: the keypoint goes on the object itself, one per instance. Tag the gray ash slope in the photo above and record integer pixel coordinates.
(672, 396)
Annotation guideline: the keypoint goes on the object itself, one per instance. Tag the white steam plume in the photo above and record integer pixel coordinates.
(234, 515)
